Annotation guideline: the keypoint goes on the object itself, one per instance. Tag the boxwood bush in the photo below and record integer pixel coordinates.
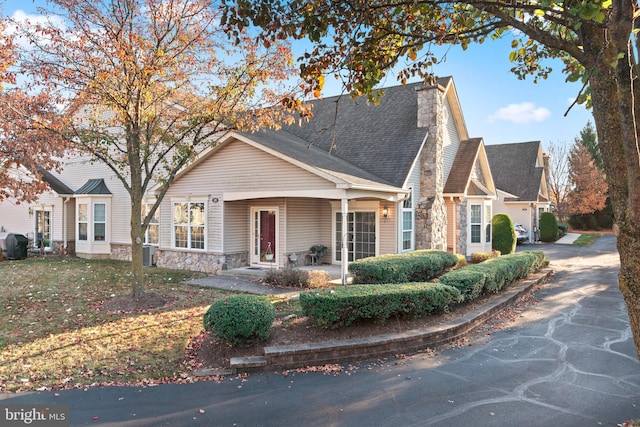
(548, 227)
(468, 281)
(494, 274)
(240, 319)
(503, 238)
(344, 305)
(415, 266)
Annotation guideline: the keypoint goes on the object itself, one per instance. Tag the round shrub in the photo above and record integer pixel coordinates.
(241, 319)
(548, 227)
(504, 234)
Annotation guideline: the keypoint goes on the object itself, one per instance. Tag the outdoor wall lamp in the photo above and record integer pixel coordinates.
(385, 212)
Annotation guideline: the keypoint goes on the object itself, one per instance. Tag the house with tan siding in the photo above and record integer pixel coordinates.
(360, 179)
(520, 171)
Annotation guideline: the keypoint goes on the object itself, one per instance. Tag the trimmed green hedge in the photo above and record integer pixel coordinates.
(493, 274)
(415, 266)
(469, 282)
(344, 305)
(240, 319)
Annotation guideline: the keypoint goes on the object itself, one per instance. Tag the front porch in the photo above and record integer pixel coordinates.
(258, 272)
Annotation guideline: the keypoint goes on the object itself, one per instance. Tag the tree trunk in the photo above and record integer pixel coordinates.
(137, 268)
(613, 110)
(137, 230)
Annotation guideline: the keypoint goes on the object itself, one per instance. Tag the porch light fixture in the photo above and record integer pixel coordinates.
(385, 212)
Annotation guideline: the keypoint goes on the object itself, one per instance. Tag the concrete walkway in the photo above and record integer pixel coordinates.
(568, 239)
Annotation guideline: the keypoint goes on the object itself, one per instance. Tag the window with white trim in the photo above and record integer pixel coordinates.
(476, 223)
(151, 235)
(487, 220)
(99, 222)
(83, 224)
(188, 225)
(407, 223)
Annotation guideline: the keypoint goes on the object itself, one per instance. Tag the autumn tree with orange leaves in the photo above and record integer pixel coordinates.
(588, 186)
(150, 85)
(25, 147)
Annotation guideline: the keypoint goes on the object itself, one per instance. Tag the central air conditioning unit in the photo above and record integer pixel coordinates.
(148, 255)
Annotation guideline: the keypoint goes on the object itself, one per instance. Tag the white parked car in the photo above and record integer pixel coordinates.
(522, 234)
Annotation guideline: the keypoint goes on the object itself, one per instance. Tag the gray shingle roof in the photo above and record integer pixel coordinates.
(56, 185)
(462, 166)
(94, 186)
(383, 140)
(298, 149)
(514, 168)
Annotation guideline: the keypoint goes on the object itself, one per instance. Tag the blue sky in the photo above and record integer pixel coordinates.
(496, 105)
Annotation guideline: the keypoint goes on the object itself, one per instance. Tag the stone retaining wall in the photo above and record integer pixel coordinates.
(210, 263)
(359, 349)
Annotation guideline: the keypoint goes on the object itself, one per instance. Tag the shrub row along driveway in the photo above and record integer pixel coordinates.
(567, 360)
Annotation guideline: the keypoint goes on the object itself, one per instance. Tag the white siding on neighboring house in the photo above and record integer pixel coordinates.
(78, 170)
(21, 219)
(451, 141)
(15, 219)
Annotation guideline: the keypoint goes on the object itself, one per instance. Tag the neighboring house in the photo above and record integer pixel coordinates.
(520, 171)
(362, 180)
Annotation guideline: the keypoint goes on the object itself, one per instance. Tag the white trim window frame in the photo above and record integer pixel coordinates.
(487, 221)
(475, 223)
(83, 222)
(408, 224)
(152, 233)
(100, 222)
(188, 224)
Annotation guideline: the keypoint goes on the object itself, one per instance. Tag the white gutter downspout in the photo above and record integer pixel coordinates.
(64, 224)
(344, 262)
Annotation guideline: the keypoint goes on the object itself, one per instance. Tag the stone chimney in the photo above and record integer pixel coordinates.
(430, 209)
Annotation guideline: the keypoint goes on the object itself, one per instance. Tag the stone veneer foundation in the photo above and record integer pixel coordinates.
(196, 261)
(183, 260)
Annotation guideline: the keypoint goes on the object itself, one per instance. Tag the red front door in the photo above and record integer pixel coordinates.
(268, 234)
(264, 235)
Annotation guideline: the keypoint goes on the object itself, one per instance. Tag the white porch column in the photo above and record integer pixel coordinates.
(344, 262)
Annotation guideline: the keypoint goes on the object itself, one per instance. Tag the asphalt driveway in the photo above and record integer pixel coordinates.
(567, 360)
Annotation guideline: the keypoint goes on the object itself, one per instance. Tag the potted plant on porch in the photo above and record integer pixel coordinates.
(319, 251)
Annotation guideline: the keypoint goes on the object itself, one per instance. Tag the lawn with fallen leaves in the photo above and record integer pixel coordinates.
(55, 333)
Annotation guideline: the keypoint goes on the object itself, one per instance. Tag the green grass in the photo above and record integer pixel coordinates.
(586, 239)
(54, 335)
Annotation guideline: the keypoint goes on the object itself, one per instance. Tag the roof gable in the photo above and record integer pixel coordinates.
(516, 168)
(56, 185)
(461, 180)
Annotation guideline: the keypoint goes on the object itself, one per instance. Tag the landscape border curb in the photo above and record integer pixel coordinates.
(366, 348)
